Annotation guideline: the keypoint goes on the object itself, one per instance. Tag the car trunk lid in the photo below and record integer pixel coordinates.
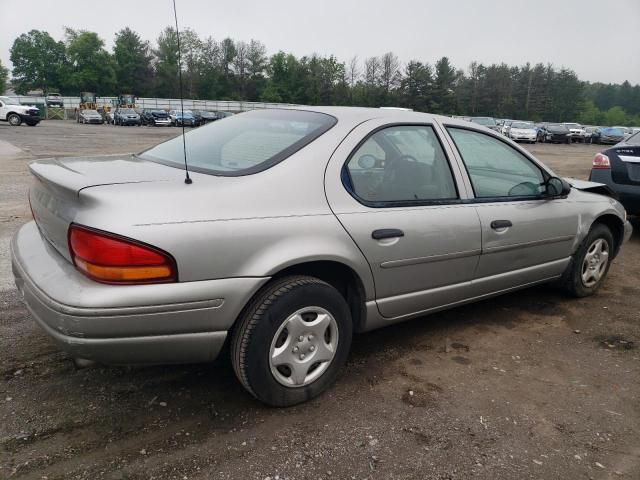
(625, 164)
(55, 191)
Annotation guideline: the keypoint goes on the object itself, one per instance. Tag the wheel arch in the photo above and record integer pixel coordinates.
(615, 225)
(340, 276)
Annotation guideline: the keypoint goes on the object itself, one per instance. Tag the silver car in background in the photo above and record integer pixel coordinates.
(301, 227)
(523, 132)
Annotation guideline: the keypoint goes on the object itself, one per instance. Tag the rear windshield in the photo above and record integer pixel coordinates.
(613, 131)
(245, 143)
(634, 139)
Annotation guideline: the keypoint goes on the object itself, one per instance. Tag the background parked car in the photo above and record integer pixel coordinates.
(155, 117)
(177, 118)
(488, 122)
(607, 135)
(588, 133)
(554, 133)
(523, 132)
(54, 100)
(506, 125)
(619, 168)
(204, 116)
(126, 116)
(90, 116)
(625, 130)
(221, 115)
(576, 131)
(15, 113)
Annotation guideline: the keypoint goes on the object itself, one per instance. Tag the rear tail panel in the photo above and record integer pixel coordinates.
(625, 164)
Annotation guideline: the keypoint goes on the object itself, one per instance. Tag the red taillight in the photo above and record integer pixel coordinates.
(600, 161)
(109, 258)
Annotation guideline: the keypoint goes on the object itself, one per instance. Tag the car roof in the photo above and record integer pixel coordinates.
(361, 114)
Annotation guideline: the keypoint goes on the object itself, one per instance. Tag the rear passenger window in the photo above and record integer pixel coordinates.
(401, 164)
(496, 169)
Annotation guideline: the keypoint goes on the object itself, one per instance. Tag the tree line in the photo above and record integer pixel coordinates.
(229, 69)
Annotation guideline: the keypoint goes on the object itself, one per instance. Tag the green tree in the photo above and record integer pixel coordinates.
(416, 86)
(37, 62)
(90, 66)
(132, 58)
(590, 114)
(256, 68)
(4, 77)
(616, 116)
(444, 100)
(166, 67)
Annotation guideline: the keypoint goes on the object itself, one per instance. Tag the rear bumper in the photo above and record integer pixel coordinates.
(628, 195)
(141, 324)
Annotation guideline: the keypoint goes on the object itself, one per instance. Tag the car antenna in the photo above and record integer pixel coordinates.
(187, 179)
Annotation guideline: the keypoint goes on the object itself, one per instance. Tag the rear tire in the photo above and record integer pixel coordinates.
(291, 340)
(590, 264)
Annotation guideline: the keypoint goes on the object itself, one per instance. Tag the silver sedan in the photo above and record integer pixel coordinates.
(300, 227)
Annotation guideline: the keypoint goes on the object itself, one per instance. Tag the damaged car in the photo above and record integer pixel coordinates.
(281, 233)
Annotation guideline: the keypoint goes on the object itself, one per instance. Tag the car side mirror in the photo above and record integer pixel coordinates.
(557, 187)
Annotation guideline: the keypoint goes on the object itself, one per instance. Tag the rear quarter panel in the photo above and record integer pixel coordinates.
(223, 227)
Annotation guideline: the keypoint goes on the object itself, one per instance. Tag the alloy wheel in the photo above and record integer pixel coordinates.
(595, 262)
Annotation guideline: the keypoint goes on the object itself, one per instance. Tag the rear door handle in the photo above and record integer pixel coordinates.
(499, 224)
(387, 233)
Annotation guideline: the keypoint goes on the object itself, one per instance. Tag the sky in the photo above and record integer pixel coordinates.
(598, 39)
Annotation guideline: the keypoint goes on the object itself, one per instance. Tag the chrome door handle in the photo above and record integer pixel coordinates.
(387, 233)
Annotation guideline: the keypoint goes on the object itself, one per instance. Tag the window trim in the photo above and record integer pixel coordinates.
(347, 181)
(476, 199)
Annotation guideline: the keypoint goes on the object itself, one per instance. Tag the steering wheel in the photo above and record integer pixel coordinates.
(389, 173)
(524, 188)
(390, 167)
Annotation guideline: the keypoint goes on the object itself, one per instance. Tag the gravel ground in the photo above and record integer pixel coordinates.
(529, 385)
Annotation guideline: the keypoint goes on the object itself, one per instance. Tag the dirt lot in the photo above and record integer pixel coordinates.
(530, 385)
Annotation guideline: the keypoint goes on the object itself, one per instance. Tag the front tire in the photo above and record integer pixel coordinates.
(590, 264)
(14, 120)
(292, 340)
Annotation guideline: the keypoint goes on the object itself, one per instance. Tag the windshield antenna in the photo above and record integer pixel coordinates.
(187, 179)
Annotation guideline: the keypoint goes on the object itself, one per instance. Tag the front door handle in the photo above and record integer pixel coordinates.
(387, 233)
(500, 224)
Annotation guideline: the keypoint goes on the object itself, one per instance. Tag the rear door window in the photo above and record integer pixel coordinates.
(401, 164)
